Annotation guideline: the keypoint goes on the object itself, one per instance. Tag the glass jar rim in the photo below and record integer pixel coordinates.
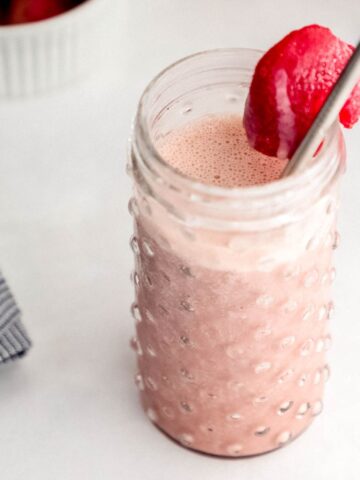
(278, 187)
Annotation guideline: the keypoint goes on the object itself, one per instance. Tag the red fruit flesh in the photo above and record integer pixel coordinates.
(24, 11)
(290, 84)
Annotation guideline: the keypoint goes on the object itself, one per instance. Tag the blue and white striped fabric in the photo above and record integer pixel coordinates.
(14, 341)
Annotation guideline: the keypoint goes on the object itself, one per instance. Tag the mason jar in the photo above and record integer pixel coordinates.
(232, 285)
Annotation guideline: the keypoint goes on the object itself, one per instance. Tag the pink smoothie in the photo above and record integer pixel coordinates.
(215, 151)
(231, 350)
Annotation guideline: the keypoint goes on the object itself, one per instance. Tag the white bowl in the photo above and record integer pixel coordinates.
(41, 56)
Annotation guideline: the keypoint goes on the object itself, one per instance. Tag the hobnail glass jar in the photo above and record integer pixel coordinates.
(232, 285)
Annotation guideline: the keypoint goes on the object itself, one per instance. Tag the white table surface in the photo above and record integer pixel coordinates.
(70, 410)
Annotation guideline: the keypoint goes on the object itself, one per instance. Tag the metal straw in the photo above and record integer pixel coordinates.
(327, 115)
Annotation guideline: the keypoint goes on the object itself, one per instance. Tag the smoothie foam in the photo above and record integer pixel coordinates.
(215, 151)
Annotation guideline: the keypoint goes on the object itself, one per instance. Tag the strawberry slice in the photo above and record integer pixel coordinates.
(23, 11)
(290, 84)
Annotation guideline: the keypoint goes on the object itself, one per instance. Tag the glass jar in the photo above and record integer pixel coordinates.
(232, 285)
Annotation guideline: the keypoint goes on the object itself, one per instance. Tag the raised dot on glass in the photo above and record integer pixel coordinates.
(135, 311)
(148, 248)
(186, 271)
(133, 207)
(207, 428)
(302, 410)
(290, 306)
(322, 313)
(319, 347)
(139, 382)
(232, 98)
(186, 407)
(148, 281)
(134, 243)
(149, 316)
(186, 374)
(186, 439)
(261, 431)
(286, 375)
(326, 373)
(185, 305)
(184, 340)
(151, 414)
(307, 347)
(234, 449)
(264, 301)
(303, 379)
(136, 279)
(287, 342)
(150, 350)
(317, 408)
(260, 399)
(283, 438)
(235, 416)
(309, 312)
(311, 278)
(187, 109)
(194, 197)
(336, 241)
(151, 384)
(262, 367)
(285, 407)
(312, 244)
(135, 345)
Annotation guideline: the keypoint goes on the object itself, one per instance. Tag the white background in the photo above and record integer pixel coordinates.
(70, 410)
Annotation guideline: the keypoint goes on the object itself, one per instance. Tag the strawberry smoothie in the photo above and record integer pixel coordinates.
(233, 266)
(231, 329)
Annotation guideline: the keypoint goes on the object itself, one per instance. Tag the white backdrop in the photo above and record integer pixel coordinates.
(69, 410)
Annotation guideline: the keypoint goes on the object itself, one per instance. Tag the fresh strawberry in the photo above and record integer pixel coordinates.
(23, 11)
(290, 84)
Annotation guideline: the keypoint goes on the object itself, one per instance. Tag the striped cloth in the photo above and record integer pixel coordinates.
(14, 341)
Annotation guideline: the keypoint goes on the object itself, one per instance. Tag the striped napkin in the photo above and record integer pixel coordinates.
(14, 341)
